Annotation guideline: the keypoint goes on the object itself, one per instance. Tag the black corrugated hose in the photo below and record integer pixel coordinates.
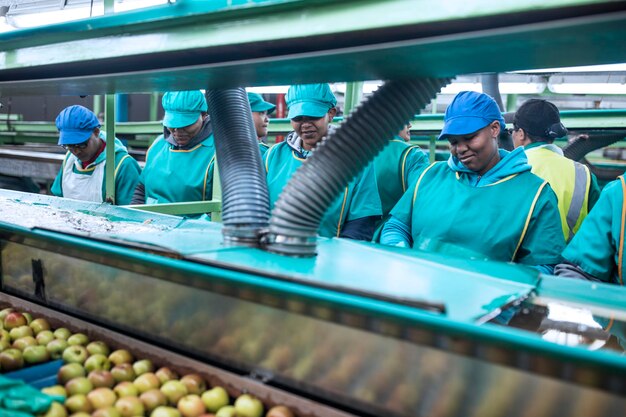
(583, 144)
(245, 198)
(338, 159)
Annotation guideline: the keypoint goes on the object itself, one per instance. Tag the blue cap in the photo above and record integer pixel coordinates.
(76, 123)
(258, 104)
(469, 112)
(313, 100)
(182, 108)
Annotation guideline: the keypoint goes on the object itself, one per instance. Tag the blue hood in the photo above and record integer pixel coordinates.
(514, 162)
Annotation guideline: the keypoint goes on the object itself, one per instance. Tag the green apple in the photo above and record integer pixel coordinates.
(4, 312)
(44, 337)
(78, 385)
(70, 371)
(191, 406)
(97, 361)
(194, 383)
(106, 412)
(98, 347)
(62, 333)
(227, 411)
(78, 339)
(174, 390)
(39, 325)
(11, 360)
(121, 356)
(166, 374)
(77, 403)
(215, 398)
(14, 319)
(248, 406)
(143, 366)
(56, 348)
(129, 406)
(81, 414)
(126, 389)
(55, 390)
(56, 410)
(19, 332)
(152, 399)
(279, 411)
(102, 398)
(36, 354)
(165, 412)
(24, 342)
(146, 382)
(29, 318)
(101, 379)
(123, 372)
(75, 354)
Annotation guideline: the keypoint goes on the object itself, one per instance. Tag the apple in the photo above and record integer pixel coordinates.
(14, 319)
(29, 318)
(39, 325)
(143, 366)
(248, 406)
(174, 390)
(123, 372)
(165, 412)
(56, 348)
(106, 412)
(78, 385)
(146, 382)
(70, 371)
(44, 337)
(101, 379)
(126, 389)
(97, 361)
(194, 383)
(215, 398)
(152, 399)
(11, 360)
(98, 347)
(4, 312)
(75, 354)
(36, 354)
(55, 390)
(279, 411)
(191, 406)
(56, 410)
(227, 411)
(19, 332)
(78, 339)
(81, 414)
(102, 398)
(129, 406)
(62, 333)
(78, 402)
(166, 374)
(121, 356)
(23, 342)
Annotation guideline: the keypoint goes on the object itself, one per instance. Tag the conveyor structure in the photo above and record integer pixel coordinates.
(358, 329)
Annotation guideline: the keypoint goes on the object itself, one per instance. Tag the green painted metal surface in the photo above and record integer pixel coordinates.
(189, 44)
(109, 122)
(195, 207)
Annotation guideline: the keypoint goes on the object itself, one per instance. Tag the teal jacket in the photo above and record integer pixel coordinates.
(127, 172)
(508, 214)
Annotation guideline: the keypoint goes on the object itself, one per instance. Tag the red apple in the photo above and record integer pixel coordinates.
(215, 398)
(14, 319)
(101, 379)
(279, 411)
(248, 406)
(191, 406)
(5, 312)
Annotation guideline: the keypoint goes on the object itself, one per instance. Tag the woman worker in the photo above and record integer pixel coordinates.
(482, 203)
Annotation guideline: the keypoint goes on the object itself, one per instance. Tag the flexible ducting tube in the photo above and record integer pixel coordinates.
(245, 198)
(338, 159)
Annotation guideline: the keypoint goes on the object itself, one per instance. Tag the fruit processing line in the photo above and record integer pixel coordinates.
(359, 328)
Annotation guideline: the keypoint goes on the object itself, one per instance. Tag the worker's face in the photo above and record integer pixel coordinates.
(183, 135)
(261, 121)
(478, 151)
(87, 150)
(405, 133)
(312, 129)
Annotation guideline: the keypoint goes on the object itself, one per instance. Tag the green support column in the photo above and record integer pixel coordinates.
(354, 92)
(432, 143)
(109, 6)
(97, 105)
(109, 121)
(216, 216)
(154, 106)
(511, 101)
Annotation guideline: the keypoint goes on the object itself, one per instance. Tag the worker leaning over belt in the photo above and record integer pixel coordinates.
(179, 163)
(311, 109)
(596, 252)
(260, 111)
(536, 125)
(82, 175)
(483, 202)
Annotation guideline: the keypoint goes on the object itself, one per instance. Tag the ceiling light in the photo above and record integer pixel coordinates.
(588, 68)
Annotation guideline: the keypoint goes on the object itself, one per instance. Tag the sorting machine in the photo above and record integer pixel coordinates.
(342, 328)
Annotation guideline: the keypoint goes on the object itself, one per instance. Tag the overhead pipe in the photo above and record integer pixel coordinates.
(305, 199)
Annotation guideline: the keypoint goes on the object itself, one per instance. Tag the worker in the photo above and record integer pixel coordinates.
(354, 213)
(483, 203)
(260, 112)
(405, 133)
(536, 125)
(180, 162)
(82, 174)
(596, 252)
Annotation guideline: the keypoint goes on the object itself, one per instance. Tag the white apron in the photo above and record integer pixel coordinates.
(82, 186)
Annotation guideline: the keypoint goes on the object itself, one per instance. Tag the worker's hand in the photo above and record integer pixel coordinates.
(18, 399)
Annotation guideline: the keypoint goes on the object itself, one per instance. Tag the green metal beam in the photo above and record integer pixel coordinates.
(193, 44)
(109, 116)
(195, 207)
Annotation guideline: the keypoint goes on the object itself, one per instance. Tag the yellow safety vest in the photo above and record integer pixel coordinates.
(569, 179)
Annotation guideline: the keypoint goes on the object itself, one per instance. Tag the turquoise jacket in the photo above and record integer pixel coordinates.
(359, 199)
(263, 147)
(508, 214)
(126, 173)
